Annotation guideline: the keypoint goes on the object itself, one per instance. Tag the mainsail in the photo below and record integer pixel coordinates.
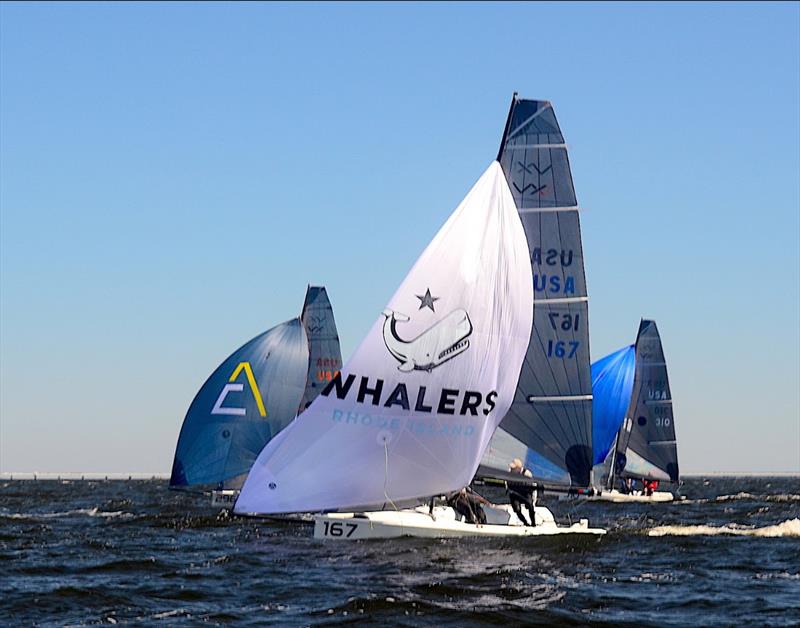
(412, 411)
(549, 425)
(247, 400)
(325, 356)
(646, 446)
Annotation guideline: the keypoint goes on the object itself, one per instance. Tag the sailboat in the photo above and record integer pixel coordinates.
(410, 415)
(253, 395)
(635, 436)
(549, 425)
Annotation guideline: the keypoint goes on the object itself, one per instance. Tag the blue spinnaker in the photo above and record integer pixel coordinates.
(251, 397)
(612, 385)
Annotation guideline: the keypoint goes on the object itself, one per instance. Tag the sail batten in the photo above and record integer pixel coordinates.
(560, 398)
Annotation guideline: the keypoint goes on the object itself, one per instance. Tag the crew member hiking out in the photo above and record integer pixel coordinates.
(520, 493)
(468, 504)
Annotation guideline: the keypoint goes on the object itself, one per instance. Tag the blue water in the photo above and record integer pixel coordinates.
(86, 552)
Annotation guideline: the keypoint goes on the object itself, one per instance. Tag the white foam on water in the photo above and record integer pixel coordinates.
(783, 575)
(790, 527)
(89, 512)
(742, 496)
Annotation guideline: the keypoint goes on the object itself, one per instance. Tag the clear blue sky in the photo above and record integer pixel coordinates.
(172, 176)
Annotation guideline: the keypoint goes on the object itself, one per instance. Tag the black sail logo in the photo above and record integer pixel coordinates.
(441, 342)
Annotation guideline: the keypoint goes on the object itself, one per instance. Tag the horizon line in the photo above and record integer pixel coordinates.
(143, 475)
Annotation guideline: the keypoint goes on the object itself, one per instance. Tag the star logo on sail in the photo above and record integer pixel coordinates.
(233, 386)
(441, 342)
(427, 300)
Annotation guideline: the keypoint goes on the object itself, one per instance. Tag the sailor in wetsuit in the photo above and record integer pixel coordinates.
(627, 486)
(649, 487)
(468, 504)
(522, 493)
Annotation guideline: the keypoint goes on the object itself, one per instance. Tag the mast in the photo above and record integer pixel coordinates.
(610, 482)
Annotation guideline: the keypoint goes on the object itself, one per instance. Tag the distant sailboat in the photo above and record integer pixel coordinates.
(549, 424)
(253, 395)
(325, 355)
(411, 413)
(636, 433)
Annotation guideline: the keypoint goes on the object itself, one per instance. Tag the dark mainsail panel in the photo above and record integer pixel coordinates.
(646, 445)
(533, 156)
(325, 356)
(550, 422)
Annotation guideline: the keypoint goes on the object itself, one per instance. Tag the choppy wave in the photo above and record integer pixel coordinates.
(88, 512)
(744, 496)
(790, 527)
(137, 553)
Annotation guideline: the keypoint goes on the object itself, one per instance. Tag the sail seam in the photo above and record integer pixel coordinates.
(524, 123)
(562, 300)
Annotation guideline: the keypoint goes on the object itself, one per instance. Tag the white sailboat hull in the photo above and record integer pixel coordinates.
(616, 497)
(386, 524)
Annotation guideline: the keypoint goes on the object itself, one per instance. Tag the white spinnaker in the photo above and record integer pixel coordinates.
(446, 355)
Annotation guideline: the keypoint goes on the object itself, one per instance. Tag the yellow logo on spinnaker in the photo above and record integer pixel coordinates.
(232, 386)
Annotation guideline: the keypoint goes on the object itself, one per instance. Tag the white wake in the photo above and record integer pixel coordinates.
(790, 527)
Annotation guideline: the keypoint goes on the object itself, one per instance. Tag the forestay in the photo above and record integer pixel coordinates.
(412, 411)
(325, 356)
(248, 399)
(549, 425)
(646, 446)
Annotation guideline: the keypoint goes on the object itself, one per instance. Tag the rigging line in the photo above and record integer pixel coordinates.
(386, 480)
(432, 455)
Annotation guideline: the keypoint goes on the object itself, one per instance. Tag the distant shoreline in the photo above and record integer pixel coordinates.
(94, 476)
(70, 475)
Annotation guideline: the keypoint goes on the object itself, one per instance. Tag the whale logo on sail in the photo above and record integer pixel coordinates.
(441, 342)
